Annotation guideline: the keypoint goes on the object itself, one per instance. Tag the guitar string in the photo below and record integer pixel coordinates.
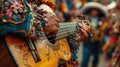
(64, 35)
(61, 32)
(73, 27)
(61, 37)
(65, 32)
(65, 28)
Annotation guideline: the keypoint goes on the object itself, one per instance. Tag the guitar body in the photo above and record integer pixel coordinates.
(50, 54)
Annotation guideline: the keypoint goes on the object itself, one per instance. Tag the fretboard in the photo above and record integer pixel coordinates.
(66, 29)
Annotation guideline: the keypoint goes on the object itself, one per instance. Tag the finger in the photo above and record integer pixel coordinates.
(52, 23)
(83, 26)
(84, 33)
(54, 29)
(47, 29)
(86, 28)
(52, 32)
(52, 17)
(86, 22)
(49, 16)
(57, 19)
(80, 38)
(56, 24)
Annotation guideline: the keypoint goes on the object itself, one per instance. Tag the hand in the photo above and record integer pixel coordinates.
(84, 31)
(52, 26)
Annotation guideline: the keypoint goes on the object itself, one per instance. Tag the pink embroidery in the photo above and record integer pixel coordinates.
(15, 6)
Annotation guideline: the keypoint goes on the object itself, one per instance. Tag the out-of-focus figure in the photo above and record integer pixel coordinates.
(112, 47)
(115, 12)
(91, 46)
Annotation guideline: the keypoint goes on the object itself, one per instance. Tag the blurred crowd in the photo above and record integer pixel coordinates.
(104, 17)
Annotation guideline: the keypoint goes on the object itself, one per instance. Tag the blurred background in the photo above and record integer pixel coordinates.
(103, 49)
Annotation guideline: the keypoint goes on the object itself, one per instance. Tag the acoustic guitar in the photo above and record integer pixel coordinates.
(47, 53)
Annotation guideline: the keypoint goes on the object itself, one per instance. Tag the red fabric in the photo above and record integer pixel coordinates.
(31, 0)
(106, 47)
(113, 39)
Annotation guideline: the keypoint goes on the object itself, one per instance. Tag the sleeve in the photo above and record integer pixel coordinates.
(27, 5)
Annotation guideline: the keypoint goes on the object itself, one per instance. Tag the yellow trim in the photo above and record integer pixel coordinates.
(52, 1)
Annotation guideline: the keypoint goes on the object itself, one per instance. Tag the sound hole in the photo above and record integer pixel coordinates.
(52, 39)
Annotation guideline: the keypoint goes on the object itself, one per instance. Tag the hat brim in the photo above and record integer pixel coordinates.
(94, 5)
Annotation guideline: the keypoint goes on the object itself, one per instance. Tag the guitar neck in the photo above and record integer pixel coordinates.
(66, 29)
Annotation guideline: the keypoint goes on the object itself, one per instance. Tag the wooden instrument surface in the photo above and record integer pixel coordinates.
(49, 57)
(5, 55)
